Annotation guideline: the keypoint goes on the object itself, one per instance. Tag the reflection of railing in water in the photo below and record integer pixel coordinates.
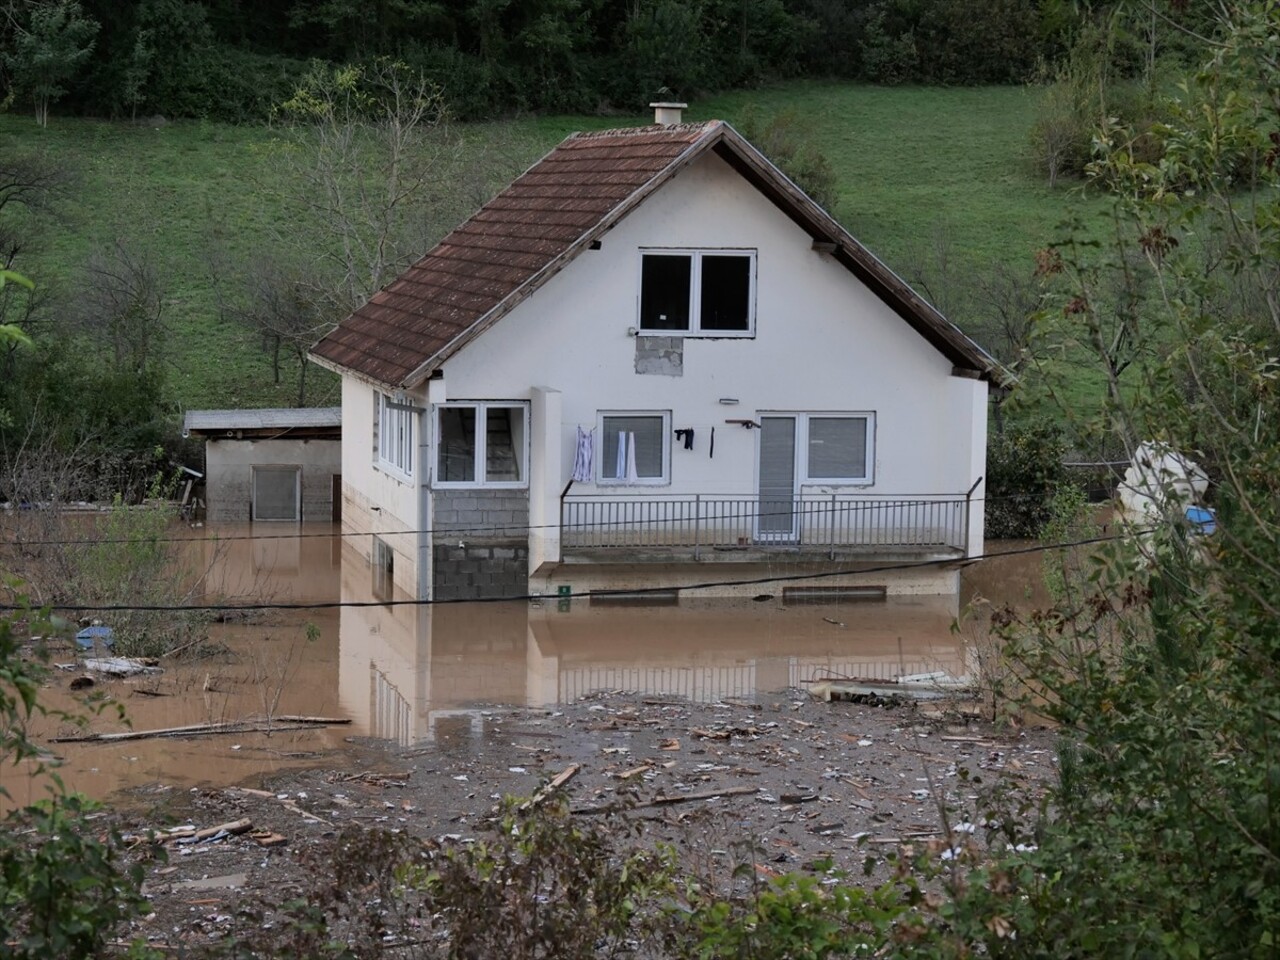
(708, 684)
(699, 684)
(391, 717)
(807, 671)
(829, 521)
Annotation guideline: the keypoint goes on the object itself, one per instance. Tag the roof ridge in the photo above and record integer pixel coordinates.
(695, 126)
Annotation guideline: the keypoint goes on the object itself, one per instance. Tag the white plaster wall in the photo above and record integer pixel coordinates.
(547, 475)
(366, 485)
(823, 343)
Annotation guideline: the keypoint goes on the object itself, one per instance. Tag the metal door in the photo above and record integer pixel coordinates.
(776, 479)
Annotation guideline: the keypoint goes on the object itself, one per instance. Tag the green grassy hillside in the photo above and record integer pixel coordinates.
(911, 163)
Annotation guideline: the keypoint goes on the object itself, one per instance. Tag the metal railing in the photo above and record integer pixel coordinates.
(701, 522)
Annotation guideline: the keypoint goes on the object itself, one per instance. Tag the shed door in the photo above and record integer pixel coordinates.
(277, 493)
(776, 519)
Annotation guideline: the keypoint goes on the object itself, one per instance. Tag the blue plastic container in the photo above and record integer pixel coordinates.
(1203, 519)
(89, 636)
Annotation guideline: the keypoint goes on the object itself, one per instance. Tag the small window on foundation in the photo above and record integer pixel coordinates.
(384, 560)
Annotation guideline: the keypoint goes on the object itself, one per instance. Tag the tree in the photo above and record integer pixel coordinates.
(288, 310)
(11, 332)
(367, 145)
(48, 51)
(120, 306)
(1161, 667)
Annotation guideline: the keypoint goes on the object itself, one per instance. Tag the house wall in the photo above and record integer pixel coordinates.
(823, 342)
(375, 500)
(480, 543)
(229, 474)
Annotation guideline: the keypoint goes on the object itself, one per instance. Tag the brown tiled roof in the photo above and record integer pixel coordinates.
(514, 236)
(529, 231)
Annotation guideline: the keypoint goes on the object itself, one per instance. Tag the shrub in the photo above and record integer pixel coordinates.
(1024, 471)
(63, 892)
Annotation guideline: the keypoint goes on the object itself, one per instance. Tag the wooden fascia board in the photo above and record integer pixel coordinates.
(571, 253)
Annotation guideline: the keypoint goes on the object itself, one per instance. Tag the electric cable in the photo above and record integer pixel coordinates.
(527, 597)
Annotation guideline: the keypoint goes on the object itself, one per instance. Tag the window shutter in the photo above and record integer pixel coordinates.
(837, 447)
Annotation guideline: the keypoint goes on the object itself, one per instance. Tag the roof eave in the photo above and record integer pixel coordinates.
(343, 370)
(715, 132)
(940, 332)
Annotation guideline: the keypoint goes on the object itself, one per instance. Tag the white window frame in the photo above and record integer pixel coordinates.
(481, 407)
(802, 448)
(662, 481)
(397, 426)
(695, 291)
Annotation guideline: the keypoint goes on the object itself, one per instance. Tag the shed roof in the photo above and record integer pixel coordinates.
(546, 217)
(271, 418)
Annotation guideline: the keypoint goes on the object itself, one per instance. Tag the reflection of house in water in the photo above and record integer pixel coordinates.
(240, 561)
(410, 673)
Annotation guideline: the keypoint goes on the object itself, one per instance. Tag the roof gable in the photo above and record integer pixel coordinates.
(546, 217)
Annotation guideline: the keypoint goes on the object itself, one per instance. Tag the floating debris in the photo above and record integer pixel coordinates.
(90, 637)
(916, 686)
(121, 666)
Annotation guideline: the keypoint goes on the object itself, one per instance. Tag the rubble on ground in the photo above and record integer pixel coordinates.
(804, 781)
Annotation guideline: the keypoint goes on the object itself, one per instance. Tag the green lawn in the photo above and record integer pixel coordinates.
(199, 196)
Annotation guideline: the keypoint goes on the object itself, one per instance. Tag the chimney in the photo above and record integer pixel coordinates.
(667, 114)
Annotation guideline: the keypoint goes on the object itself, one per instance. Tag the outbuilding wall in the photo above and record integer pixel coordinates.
(229, 475)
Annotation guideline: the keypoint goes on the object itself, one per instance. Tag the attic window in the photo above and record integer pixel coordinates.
(698, 292)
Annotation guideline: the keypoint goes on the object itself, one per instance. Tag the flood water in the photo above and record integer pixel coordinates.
(412, 674)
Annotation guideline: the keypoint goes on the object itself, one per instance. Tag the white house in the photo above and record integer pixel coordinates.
(652, 361)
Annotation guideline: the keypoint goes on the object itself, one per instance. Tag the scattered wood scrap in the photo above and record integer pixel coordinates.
(634, 771)
(189, 833)
(710, 734)
(398, 779)
(205, 729)
(318, 721)
(282, 799)
(556, 782)
(664, 800)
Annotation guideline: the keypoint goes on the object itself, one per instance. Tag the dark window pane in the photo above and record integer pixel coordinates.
(457, 443)
(504, 444)
(726, 293)
(664, 292)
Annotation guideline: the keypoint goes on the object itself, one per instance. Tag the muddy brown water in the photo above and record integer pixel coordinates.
(410, 674)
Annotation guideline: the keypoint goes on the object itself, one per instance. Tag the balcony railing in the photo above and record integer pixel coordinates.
(831, 522)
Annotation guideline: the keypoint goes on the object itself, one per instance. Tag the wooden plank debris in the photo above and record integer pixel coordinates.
(189, 834)
(204, 729)
(558, 781)
(665, 800)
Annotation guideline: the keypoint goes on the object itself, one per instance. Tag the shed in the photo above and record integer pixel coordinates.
(279, 464)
